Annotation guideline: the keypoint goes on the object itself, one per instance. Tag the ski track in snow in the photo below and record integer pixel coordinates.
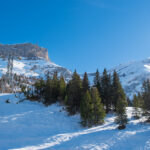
(31, 126)
(60, 138)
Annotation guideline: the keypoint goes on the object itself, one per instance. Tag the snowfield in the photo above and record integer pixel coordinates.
(34, 68)
(32, 126)
(132, 75)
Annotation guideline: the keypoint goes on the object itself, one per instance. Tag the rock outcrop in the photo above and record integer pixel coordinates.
(28, 50)
(31, 61)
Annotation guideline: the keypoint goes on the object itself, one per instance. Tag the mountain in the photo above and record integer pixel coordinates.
(27, 50)
(30, 60)
(132, 75)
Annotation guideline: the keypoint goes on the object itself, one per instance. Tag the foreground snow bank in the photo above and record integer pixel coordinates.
(32, 126)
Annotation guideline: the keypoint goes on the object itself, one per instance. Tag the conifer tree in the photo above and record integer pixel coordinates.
(92, 111)
(62, 88)
(74, 94)
(129, 102)
(98, 113)
(136, 107)
(39, 89)
(85, 83)
(97, 81)
(86, 110)
(141, 101)
(146, 99)
(121, 117)
(117, 90)
(106, 90)
(48, 91)
(55, 87)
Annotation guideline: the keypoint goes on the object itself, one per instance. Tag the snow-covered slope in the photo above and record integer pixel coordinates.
(38, 67)
(30, 60)
(32, 126)
(132, 75)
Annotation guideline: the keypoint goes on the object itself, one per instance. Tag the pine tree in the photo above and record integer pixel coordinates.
(106, 90)
(97, 81)
(74, 94)
(85, 83)
(129, 102)
(98, 113)
(39, 89)
(140, 98)
(86, 110)
(48, 91)
(121, 117)
(62, 88)
(136, 107)
(146, 99)
(55, 87)
(117, 90)
(91, 110)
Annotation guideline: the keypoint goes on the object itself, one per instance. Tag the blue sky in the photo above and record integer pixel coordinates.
(80, 34)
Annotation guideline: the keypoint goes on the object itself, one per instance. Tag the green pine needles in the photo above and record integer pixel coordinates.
(79, 97)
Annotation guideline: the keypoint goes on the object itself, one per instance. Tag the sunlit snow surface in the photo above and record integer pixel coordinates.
(33, 68)
(32, 126)
(132, 75)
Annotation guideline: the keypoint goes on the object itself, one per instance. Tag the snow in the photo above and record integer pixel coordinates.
(32, 126)
(32, 68)
(132, 75)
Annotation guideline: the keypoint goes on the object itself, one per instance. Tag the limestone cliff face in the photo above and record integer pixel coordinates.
(27, 50)
(31, 64)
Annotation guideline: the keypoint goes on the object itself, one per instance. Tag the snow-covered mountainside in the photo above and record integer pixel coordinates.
(30, 60)
(32, 126)
(34, 68)
(131, 75)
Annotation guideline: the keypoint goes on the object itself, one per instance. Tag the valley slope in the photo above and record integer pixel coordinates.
(132, 75)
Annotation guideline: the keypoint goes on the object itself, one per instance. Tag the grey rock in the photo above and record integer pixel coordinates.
(28, 50)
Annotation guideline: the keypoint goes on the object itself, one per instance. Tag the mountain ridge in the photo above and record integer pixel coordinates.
(28, 50)
(132, 75)
(30, 60)
(34, 61)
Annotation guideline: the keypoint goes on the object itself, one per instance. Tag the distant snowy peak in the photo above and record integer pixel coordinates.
(132, 75)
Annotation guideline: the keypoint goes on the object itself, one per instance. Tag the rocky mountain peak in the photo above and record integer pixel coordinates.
(27, 50)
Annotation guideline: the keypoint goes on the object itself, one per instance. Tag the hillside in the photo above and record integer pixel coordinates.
(131, 75)
(30, 60)
(32, 126)
(34, 68)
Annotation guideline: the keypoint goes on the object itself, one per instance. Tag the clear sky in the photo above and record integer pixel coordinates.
(80, 34)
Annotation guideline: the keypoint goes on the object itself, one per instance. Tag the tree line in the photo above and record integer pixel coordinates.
(92, 102)
(141, 102)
